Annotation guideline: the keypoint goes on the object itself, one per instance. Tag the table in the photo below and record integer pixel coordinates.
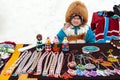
(104, 47)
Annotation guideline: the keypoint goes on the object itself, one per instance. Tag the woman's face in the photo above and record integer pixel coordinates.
(76, 21)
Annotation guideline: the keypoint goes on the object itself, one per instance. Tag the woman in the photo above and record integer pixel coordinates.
(75, 28)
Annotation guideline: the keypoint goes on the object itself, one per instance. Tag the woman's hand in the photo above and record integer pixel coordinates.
(66, 25)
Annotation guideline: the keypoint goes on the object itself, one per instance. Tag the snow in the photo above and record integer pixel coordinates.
(22, 20)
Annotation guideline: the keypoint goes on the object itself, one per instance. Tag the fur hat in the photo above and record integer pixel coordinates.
(79, 8)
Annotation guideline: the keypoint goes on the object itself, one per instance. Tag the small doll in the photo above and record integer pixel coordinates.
(48, 45)
(65, 45)
(56, 46)
(39, 46)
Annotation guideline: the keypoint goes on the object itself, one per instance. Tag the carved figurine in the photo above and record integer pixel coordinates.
(56, 46)
(65, 45)
(48, 45)
(39, 45)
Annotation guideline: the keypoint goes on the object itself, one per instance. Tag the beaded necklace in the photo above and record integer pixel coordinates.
(107, 71)
(16, 63)
(90, 66)
(39, 65)
(59, 64)
(116, 68)
(84, 71)
(53, 64)
(22, 64)
(34, 64)
(71, 64)
(47, 61)
(34, 55)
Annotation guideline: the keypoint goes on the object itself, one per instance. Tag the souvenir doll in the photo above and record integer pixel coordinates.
(56, 46)
(39, 46)
(65, 45)
(48, 45)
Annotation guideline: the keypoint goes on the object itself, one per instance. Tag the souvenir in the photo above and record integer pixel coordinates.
(66, 76)
(108, 72)
(86, 73)
(56, 46)
(40, 62)
(72, 72)
(80, 67)
(47, 64)
(39, 45)
(65, 45)
(22, 64)
(93, 73)
(34, 64)
(53, 65)
(48, 45)
(29, 63)
(90, 49)
(71, 64)
(16, 63)
(89, 66)
(59, 65)
(79, 72)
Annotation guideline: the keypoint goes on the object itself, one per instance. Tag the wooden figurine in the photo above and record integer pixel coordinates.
(39, 45)
(56, 46)
(48, 45)
(65, 45)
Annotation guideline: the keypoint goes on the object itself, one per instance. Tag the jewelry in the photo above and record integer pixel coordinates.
(90, 49)
(72, 72)
(99, 71)
(16, 63)
(115, 68)
(66, 76)
(72, 64)
(79, 72)
(80, 66)
(34, 64)
(22, 64)
(46, 67)
(59, 64)
(53, 64)
(34, 55)
(112, 58)
(89, 66)
(39, 66)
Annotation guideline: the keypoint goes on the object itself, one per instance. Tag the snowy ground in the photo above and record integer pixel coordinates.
(22, 20)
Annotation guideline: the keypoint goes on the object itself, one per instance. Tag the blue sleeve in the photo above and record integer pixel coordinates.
(90, 36)
(61, 35)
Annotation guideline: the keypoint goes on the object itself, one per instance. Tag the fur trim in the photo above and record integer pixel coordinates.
(77, 7)
(77, 37)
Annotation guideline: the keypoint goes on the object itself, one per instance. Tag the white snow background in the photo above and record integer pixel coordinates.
(22, 20)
